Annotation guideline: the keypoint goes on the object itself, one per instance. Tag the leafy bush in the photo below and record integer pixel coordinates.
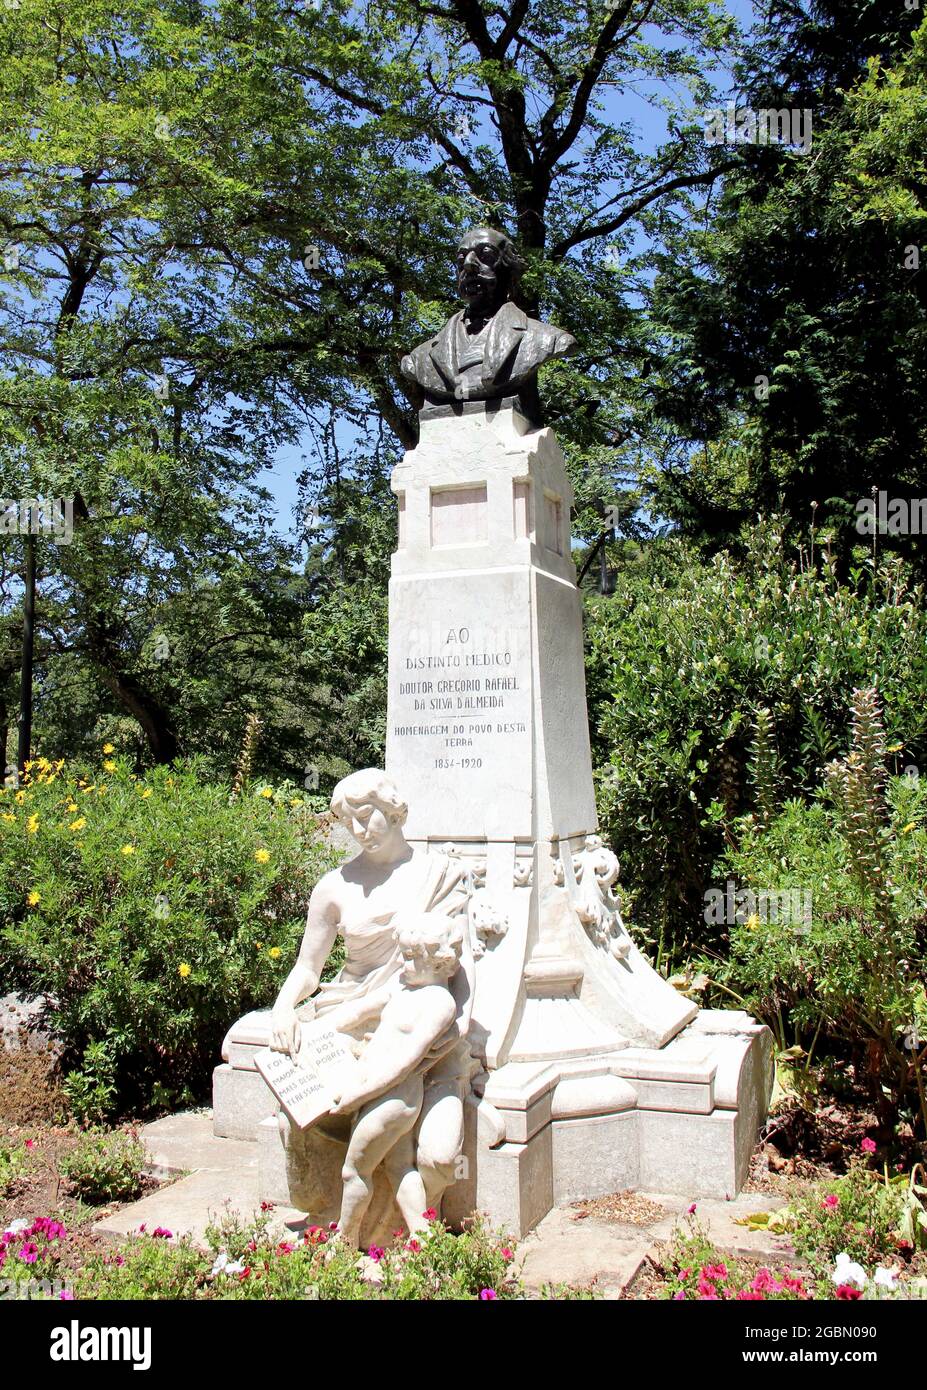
(854, 975)
(858, 1215)
(31, 1251)
(693, 1269)
(106, 1167)
(681, 661)
(244, 1261)
(15, 1161)
(155, 911)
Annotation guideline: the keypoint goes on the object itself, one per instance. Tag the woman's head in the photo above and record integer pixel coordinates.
(360, 799)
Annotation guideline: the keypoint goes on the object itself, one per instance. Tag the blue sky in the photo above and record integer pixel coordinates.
(280, 480)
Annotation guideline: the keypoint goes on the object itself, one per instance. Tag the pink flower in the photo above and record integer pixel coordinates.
(507, 1254)
(414, 1246)
(29, 1253)
(679, 1294)
(749, 1295)
(30, 1143)
(141, 1228)
(119, 1259)
(376, 1252)
(868, 1146)
(690, 1211)
(161, 1233)
(714, 1271)
(332, 1226)
(430, 1214)
(66, 1294)
(848, 1291)
(488, 1293)
(830, 1201)
(285, 1248)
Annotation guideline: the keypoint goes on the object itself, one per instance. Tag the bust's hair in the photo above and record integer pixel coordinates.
(369, 787)
(430, 934)
(508, 253)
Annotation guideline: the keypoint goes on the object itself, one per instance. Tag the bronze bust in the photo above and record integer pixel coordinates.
(491, 348)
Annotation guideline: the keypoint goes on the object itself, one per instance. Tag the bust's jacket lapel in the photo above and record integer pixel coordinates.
(442, 351)
(503, 341)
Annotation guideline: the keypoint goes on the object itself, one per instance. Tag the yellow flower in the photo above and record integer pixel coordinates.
(109, 765)
(262, 855)
(911, 826)
(78, 824)
(274, 952)
(8, 815)
(127, 849)
(108, 748)
(32, 824)
(259, 945)
(20, 798)
(266, 792)
(146, 793)
(72, 806)
(183, 970)
(297, 801)
(753, 921)
(33, 898)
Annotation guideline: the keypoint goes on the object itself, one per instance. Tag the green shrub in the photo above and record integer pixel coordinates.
(694, 1269)
(155, 911)
(15, 1161)
(681, 661)
(245, 1262)
(106, 1167)
(854, 975)
(857, 1214)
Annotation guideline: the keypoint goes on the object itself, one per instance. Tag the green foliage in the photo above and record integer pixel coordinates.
(244, 1261)
(106, 1166)
(853, 975)
(794, 319)
(15, 1161)
(154, 911)
(679, 663)
(693, 1269)
(863, 1221)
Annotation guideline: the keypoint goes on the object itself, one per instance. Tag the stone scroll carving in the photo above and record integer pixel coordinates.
(596, 870)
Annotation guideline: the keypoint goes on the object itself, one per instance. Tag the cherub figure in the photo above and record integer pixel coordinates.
(416, 1023)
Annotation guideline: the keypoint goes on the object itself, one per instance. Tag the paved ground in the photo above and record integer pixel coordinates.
(565, 1248)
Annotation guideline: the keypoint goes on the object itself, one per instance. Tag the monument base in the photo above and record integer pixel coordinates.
(678, 1119)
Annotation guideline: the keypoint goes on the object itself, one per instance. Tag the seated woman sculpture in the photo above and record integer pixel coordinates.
(361, 900)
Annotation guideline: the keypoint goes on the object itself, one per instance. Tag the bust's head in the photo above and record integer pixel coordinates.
(488, 268)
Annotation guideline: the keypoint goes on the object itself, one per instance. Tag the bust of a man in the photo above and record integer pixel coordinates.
(490, 348)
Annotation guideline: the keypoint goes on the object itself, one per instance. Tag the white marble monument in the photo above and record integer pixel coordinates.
(571, 1068)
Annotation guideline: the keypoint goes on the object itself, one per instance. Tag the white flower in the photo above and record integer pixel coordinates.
(888, 1278)
(14, 1228)
(847, 1271)
(224, 1265)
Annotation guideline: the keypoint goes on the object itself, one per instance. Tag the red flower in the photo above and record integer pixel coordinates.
(848, 1291)
(414, 1246)
(830, 1201)
(376, 1253)
(430, 1214)
(267, 1206)
(30, 1143)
